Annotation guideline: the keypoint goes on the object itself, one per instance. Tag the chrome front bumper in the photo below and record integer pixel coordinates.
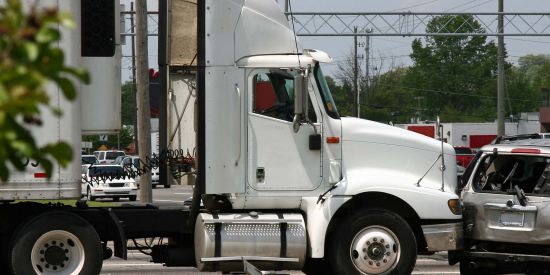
(443, 237)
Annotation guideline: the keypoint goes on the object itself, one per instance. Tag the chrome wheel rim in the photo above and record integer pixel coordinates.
(375, 250)
(57, 252)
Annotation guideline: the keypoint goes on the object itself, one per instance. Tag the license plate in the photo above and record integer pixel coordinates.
(514, 219)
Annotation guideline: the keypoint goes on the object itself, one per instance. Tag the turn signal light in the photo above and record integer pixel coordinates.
(455, 207)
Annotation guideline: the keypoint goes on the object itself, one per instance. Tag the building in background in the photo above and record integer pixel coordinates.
(475, 135)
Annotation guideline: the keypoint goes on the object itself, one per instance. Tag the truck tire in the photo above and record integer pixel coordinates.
(89, 195)
(56, 243)
(372, 241)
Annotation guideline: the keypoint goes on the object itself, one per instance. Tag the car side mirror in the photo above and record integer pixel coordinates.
(300, 99)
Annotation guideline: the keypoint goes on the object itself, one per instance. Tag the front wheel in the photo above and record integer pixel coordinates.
(89, 195)
(373, 241)
(56, 243)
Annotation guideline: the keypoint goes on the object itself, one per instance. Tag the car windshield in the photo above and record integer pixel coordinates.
(328, 101)
(89, 160)
(114, 155)
(106, 171)
(500, 173)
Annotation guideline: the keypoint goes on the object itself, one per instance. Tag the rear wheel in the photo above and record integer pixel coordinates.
(373, 241)
(56, 243)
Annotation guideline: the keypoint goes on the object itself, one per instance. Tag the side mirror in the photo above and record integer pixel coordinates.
(300, 99)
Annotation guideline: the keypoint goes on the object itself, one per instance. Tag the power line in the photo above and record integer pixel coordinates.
(461, 5)
(453, 93)
(480, 4)
(416, 5)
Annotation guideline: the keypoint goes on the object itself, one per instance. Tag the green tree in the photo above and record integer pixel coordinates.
(454, 73)
(128, 103)
(390, 100)
(31, 58)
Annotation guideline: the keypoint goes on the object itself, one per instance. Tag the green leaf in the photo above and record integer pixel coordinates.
(65, 19)
(47, 35)
(61, 151)
(31, 50)
(80, 73)
(67, 87)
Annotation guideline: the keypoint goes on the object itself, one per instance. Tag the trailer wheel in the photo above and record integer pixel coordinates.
(372, 241)
(89, 195)
(56, 243)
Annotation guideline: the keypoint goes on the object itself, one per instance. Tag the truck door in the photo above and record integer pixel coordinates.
(279, 158)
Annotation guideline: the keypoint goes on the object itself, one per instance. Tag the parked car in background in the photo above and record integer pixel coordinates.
(133, 163)
(89, 159)
(108, 157)
(118, 160)
(464, 155)
(107, 181)
(506, 209)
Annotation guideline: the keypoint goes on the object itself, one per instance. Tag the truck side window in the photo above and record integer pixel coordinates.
(274, 96)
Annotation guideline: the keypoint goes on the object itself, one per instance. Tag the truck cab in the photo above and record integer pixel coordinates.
(272, 140)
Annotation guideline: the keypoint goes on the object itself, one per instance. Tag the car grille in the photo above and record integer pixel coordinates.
(117, 184)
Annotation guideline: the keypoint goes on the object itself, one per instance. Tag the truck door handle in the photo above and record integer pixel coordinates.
(239, 122)
(260, 174)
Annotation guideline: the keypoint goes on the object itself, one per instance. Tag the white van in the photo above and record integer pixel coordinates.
(108, 157)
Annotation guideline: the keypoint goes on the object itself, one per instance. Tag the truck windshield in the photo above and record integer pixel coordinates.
(328, 102)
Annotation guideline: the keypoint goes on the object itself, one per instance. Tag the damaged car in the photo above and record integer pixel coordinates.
(505, 195)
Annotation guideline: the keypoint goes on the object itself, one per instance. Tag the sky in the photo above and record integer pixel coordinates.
(386, 50)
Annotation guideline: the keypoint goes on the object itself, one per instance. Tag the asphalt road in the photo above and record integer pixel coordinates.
(139, 263)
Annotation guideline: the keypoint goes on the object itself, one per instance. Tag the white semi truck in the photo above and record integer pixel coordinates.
(282, 177)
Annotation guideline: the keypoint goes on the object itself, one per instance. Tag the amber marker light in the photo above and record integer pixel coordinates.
(454, 206)
(333, 140)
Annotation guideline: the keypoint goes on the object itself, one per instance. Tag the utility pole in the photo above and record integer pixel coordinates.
(144, 116)
(133, 38)
(355, 73)
(164, 178)
(367, 60)
(501, 131)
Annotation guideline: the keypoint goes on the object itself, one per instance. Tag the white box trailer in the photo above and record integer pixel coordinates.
(282, 178)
